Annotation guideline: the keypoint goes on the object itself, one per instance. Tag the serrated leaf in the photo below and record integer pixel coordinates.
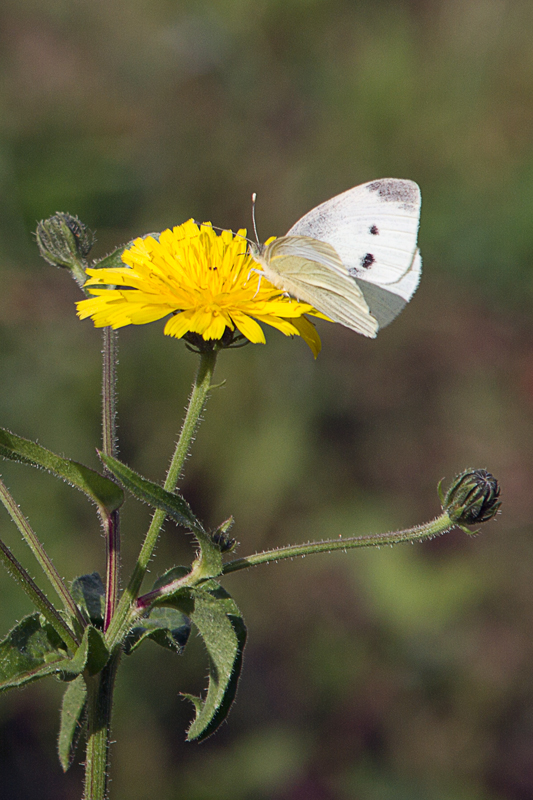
(89, 594)
(73, 709)
(167, 627)
(220, 624)
(175, 506)
(101, 490)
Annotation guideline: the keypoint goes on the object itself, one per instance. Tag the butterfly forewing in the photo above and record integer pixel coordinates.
(308, 249)
(373, 228)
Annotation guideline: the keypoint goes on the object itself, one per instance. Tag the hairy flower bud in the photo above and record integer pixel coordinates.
(63, 240)
(473, 497)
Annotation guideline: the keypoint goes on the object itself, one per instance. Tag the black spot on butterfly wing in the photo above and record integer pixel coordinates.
(367, 260)
(374, 230)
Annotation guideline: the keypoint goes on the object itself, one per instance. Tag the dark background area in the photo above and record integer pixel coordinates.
(394, 674)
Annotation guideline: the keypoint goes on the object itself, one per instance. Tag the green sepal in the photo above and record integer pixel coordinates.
(176, 507)
(73, 708)
(101, 490)
(88, 593)
(167, 627)
(173, 504)
(112, 260)
(221, 626)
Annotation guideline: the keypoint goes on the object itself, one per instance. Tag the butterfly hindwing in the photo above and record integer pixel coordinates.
(335, 294)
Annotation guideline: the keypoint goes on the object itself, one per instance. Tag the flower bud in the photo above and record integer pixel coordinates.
(221, 539)
(63, 240)
(473, 497)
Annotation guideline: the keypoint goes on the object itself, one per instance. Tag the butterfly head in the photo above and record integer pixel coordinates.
(256, 249)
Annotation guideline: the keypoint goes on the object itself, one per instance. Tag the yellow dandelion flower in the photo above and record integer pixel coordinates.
(204, 280)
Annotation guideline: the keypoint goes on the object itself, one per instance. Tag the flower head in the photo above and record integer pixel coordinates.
(204, 280)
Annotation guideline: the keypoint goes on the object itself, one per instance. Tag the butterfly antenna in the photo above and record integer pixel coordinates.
(254, 198)
(217, 228)
(210, 225)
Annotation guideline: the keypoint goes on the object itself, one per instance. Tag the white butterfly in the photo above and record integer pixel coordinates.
(354, 257)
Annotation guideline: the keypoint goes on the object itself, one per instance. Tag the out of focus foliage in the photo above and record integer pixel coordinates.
(403, 674)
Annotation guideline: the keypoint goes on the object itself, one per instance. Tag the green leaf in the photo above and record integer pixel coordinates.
(33, 650)
(101, 490)
(167, 627)
(73, 710)
(173, 504)
(92, 654)
(222, 628)
(171, 575)
(89, 594)
(30, 651)
(176, 507)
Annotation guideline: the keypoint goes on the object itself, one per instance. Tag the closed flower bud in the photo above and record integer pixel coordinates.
(63, 240)
(221, 539)
(473, 497)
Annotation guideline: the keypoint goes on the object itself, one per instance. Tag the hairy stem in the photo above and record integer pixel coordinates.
(436, 527)
(109, 440)
(99, 707)
(202, 383)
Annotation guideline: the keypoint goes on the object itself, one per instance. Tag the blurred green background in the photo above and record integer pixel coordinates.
(398, 674)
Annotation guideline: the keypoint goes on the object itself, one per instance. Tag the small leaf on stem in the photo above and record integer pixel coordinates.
(73, 708)
(89, 593)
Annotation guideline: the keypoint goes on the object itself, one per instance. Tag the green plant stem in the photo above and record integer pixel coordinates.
(38, 598)
(77, 269)
(112, 538)
(109, 383)
(40, 554)
(99, 706)
(436, 527)
(126, 608)
(109, 440)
